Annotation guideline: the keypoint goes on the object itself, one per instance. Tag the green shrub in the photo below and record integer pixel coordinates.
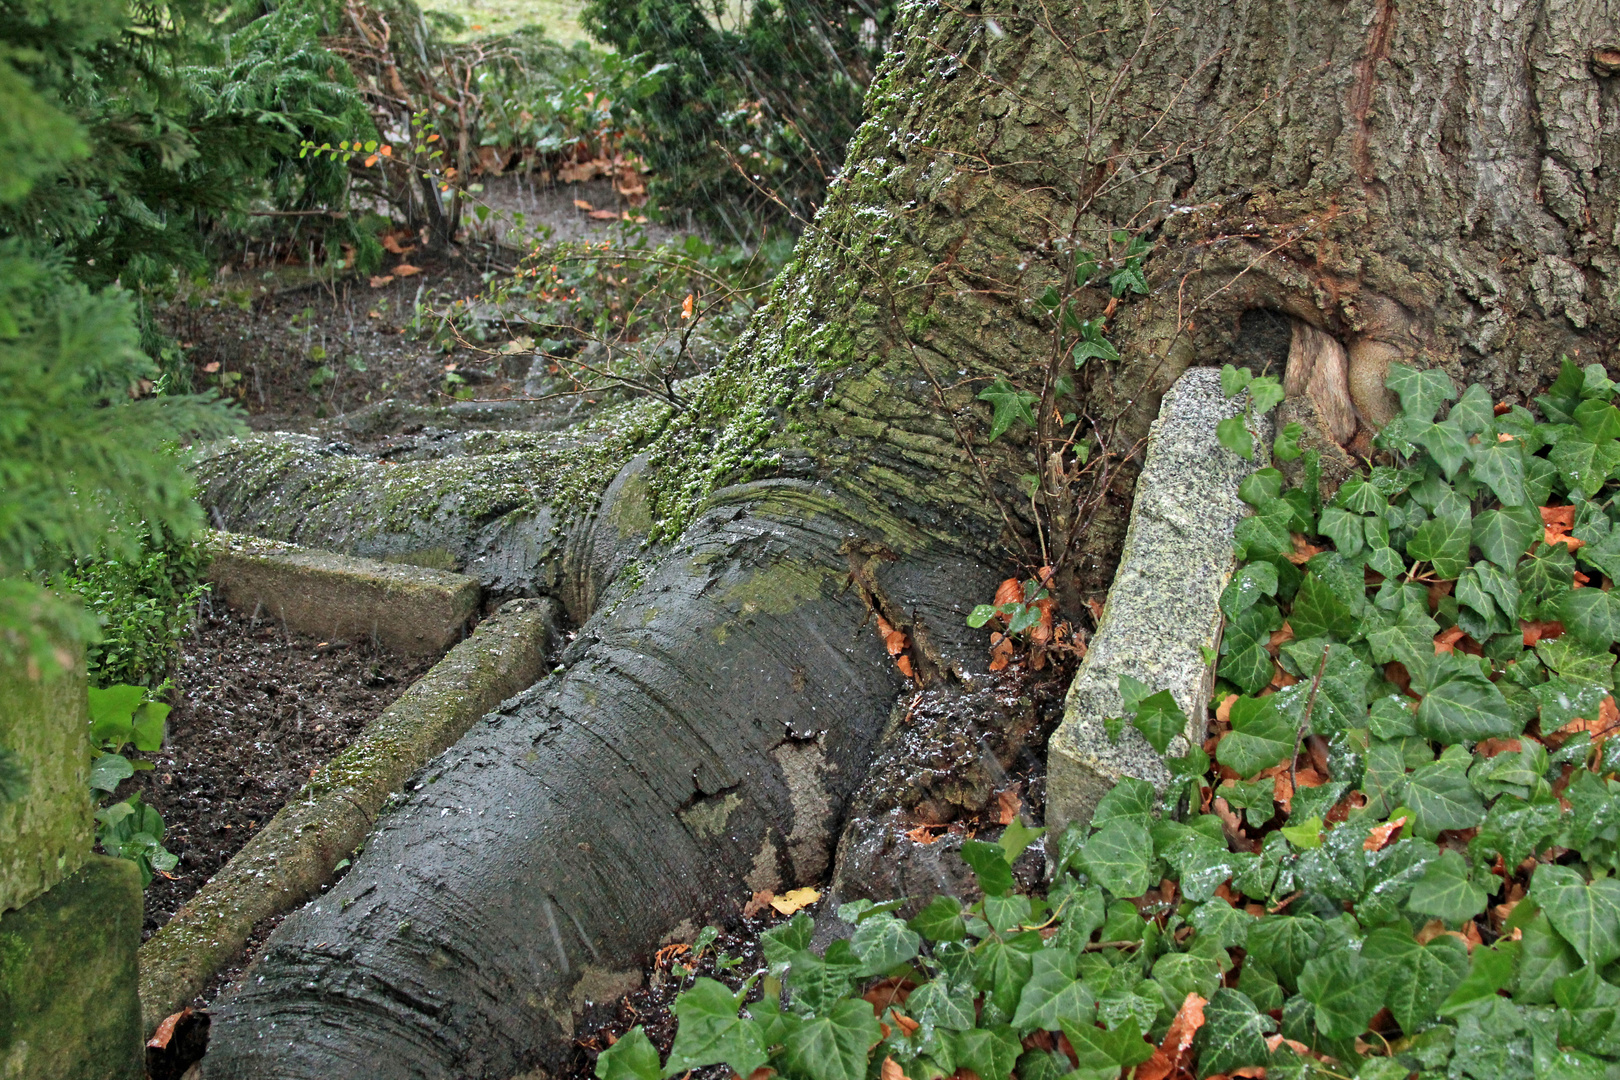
(1408, 860)
(143, 605)
(776, 94)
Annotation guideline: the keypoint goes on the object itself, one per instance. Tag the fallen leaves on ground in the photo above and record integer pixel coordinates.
(406, 270)
(377, 282)
(793, 900)
(1171, 1056)
(1008, 804)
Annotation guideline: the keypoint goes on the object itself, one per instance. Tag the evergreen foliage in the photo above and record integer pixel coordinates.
(776, 93)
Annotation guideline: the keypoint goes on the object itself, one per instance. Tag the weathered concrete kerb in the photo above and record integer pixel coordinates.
(296, 853)
(409, 609)
(1163, 609)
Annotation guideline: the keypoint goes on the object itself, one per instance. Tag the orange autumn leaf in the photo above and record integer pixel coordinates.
(603, 215)
(1303, 551)
(1223, 711)
(924, 834)
(1492, 747)
(1008, 804)
(406, 270)
(1170, 1055)
(1279, 638)
(379, 280)
(1001, 652)
(1274, 1041)
(891, 1070)
(1381, 835)
(904, 664)
(1540, 631)
(758, 903)
(1551, 537)
(907, 1024)
(1309, 777)
(581, 204)
(1446, 640)
(1010, 591)
(686, 307)
(893, 640)
(1560, 517)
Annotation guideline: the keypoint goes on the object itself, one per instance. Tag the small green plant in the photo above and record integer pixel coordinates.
(132, 830)
(1020, 608)
(1265, 394)
(120, 717)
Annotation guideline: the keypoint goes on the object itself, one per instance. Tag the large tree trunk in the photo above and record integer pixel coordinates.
(1343, 183)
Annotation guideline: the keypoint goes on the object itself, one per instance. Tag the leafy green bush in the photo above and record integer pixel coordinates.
(762, 103)
(1401, 860)
(123, 716)
(143, 604)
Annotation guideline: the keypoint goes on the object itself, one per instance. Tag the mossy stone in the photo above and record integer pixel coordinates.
(69, 1009)
(45, 835)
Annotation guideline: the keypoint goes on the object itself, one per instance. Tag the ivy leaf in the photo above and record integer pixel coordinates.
(1544, 958)
(989, 865)
(941, 920)
(1344, 529)
(710, 1032)
(1586, 915)
(1130, 798)
(1265, 532)
(989, 1053)
(832, 1047)
(881, 943)
(1247, 586)
(1260, 738)
(1234, 379)
(1265, 393)
(1443, 542)
(1544, 576)
(1591, 615)
(1421, 392)
(1447, 444)
(1010, 404)
(1503, 536)
(633, 1057)
(1419, 977)
(1284, 943)
(1407, 637)
(1474, 411)
(1345, 989)
(942, 1004)
(1159, 719)
(1603, 552)
(1233, 1035)
(1102, 1050)
(1119, 857)
(1261, 486)
(1501, 466)
(1490, 970)
(1053, 996)
(1445, 891)
(1461, 705)
(1319, 612)
(1233, 433)
(1441, 796)
(1583, 463)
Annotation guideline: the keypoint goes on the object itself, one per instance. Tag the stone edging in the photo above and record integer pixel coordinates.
(1162, 620)
(289, 860)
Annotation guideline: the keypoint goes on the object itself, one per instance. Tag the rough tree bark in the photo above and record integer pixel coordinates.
(1336, 185)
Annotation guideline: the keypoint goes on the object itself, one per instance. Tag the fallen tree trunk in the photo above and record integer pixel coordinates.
(1426, 185)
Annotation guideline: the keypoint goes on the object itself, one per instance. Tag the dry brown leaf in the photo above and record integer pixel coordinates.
(1446, 640)
(1010, 591)
(1223, 711)
(406, 270)
(893, 640)
(604, 215)
(377, 282)
(794, 899)
(165, 1031)
(579, 203)
(1008, 804)
(1492, 747)
(1540, 631)
(1561, 518)
(1383, 835)
(758, 903)
(924, 834)
(891, 1070)
(1308, 777)
(1096, 608)
(904, 664)
(1168, 1058)
(390, 241)
(1274, 1041)
(1551, 537)
(1001, 651)
(907, 1024)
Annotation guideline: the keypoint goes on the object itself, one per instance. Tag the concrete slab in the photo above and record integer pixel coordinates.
(409, 609)
(1163, 607)
(46, 835)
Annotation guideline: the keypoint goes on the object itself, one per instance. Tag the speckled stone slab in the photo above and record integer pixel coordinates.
(1163, 607)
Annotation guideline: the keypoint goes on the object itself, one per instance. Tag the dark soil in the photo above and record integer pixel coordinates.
(294, 348)
(257, 710)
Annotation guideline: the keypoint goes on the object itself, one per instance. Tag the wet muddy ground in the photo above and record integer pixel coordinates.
(257, 710)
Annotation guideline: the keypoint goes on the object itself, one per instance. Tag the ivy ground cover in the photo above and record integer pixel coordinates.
(1394, 856)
